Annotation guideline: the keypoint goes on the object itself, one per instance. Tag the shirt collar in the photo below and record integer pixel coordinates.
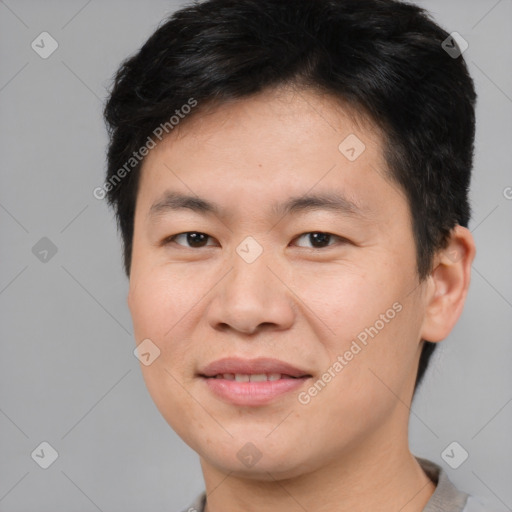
(446, 497)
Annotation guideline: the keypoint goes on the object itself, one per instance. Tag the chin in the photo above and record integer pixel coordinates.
(255, 460)
(266, 469)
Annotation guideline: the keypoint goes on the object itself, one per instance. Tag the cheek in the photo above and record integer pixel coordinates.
(161, 303)
(159, 300)
(369, 330)
(167, 306)
(346, 300)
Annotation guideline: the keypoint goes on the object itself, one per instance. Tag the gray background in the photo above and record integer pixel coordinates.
(68, 373)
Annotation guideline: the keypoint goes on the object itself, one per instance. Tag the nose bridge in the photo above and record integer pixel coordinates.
(250, 276)
(250, 295)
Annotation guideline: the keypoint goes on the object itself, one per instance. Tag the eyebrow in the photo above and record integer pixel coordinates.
(330, 201)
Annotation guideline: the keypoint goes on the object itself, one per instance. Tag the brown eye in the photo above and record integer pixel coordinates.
(318, 239)
(193, 239)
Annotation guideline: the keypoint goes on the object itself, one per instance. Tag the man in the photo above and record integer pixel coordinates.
(290, 180)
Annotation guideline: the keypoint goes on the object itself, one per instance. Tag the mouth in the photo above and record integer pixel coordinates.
(255, 377)
(252, 367)
(252, 382)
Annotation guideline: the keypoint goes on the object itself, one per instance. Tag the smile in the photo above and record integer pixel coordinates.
(252, 382)
(257, 377)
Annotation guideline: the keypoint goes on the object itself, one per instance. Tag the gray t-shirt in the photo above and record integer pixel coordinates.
(446, 497)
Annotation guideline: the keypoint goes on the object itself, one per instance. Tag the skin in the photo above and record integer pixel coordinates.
(347, 449)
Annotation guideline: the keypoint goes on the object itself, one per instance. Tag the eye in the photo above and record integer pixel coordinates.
(319, 239)
(195, 239)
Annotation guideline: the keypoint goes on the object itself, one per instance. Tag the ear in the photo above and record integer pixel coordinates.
(448, 285)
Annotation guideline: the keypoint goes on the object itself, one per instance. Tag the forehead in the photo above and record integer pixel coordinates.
(282, 141)
(308, 110)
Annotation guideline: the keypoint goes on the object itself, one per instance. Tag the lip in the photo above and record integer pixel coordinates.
(252, 393)
(251, 366)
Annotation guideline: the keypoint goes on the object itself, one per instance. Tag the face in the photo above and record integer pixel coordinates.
(274, 269)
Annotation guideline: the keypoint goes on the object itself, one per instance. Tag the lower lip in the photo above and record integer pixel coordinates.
(252, 393)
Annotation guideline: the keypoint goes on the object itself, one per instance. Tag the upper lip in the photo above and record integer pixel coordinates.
(251, 367)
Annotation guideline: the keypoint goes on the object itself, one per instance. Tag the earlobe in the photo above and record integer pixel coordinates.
(448, 286)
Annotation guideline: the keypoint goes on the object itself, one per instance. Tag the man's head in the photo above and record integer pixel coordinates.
(249, 105)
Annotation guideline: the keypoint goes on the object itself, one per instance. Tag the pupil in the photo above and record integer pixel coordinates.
(319, 239)
(196, 239)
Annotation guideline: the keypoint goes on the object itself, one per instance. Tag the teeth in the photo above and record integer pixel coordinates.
(257, 377)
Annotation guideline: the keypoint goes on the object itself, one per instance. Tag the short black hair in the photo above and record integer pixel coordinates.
(385, 59)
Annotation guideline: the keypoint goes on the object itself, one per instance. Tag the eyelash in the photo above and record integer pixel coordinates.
(172, 239)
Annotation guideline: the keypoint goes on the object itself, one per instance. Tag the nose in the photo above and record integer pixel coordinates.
(251, 298)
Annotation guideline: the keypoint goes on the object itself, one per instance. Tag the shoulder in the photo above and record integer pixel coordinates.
(447, 497)
(480, 504)
(198, 504)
